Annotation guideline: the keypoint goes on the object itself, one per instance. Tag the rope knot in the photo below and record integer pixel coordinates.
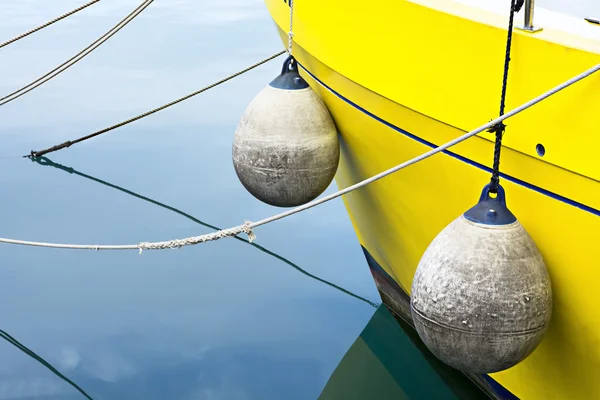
(248, 231)
(498, 129)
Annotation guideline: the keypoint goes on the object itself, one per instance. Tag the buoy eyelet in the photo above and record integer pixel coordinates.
(289, 65)
(290, 78)
(481, 214)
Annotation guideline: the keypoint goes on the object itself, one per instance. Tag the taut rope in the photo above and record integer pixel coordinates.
(77, 57)
(23, 35)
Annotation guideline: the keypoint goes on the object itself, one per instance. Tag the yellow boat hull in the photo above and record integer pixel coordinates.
(400, 77)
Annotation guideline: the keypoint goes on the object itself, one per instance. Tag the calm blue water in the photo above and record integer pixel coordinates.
(222, 320)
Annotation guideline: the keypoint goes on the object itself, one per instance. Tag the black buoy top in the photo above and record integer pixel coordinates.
(289, 79)
(491, 210)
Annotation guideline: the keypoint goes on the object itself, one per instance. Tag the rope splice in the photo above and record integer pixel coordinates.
(178, 243)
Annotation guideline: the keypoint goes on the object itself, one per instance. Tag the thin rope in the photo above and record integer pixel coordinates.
(77, 57)
(499, 128)
(23, 35)
(69, 143)
(290, 32)
(169, 244)
(4, 335)
(248, 227)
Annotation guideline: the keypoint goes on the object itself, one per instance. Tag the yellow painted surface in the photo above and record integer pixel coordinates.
(451, 68)
(436, 83)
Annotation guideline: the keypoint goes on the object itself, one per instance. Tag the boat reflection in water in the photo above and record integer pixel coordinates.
(389, 361)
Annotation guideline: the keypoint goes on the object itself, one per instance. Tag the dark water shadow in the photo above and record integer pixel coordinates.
(4, 335)
(388, 361)
(44, 161)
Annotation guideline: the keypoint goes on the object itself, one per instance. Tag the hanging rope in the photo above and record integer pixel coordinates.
(77, 57)
(120, 124)
(290, 32)
(248, 227)
(499, 128)
(47, 23)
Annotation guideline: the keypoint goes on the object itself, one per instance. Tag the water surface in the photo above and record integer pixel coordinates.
(222, 320)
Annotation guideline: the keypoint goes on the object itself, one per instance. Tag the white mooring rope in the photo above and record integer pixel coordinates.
(290, 32)
(248, 226)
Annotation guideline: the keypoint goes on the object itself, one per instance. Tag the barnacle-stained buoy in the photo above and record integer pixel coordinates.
(481, 296)
(285, 149)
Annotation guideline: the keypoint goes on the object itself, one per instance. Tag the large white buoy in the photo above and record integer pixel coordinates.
(285, 149)
(481, 296)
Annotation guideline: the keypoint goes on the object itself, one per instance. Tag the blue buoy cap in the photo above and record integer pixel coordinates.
(491, 210)
(289, 79)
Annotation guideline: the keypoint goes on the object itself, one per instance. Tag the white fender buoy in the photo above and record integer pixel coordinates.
(285, 149)
(481, 296)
